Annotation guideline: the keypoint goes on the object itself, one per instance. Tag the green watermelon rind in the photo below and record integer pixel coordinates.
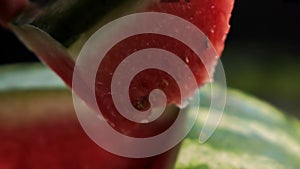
(252, 134)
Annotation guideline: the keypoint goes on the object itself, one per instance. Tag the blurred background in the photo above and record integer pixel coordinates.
(262, 54)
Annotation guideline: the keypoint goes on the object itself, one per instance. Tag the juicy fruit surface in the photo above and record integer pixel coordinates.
(211, 17)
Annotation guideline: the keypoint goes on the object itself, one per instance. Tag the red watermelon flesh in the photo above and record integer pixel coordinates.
(57, 141)
(212, 17)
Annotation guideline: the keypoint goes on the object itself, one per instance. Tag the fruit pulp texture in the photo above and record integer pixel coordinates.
(211, 17)
(62, 144)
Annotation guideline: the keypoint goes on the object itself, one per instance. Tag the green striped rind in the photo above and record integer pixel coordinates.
(252, 134)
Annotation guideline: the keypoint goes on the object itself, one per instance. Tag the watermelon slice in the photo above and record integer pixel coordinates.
(212, 17)
(209, 16)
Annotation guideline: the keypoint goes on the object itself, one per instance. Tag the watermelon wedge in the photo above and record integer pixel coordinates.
(209, 16)
(44, 34)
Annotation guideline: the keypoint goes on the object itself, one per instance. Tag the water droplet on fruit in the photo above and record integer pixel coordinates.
(165, 82)
(223, 38)
(112, 124)
(213, 7)
(99, 83)
(187, 60)
(198, 12)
